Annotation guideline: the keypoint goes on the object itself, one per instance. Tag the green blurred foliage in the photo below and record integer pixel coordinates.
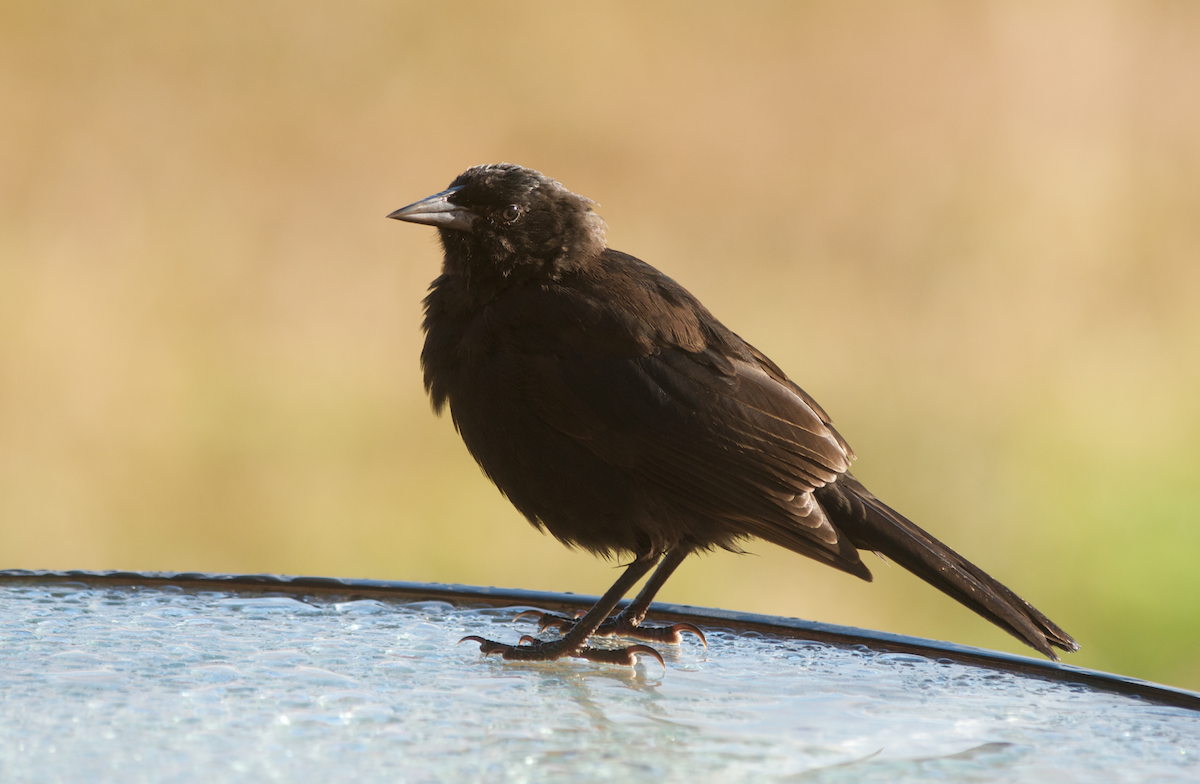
(969, 229)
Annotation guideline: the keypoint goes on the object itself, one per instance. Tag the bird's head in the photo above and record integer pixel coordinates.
(508, 218)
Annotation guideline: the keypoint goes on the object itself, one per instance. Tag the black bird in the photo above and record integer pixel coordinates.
(618, 414)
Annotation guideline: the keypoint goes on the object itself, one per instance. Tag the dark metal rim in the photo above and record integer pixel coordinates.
(843, 636)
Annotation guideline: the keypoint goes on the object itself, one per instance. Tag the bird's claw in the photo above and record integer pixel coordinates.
(674, 633)
(548, 620)
(616, 627)
(624, 657)
(534, 650)
(671, 635)
(522, 652)
(486, 647)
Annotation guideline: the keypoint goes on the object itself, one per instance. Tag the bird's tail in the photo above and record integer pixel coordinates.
(872, 525)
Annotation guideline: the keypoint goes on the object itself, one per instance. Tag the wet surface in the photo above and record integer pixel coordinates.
(164, 683)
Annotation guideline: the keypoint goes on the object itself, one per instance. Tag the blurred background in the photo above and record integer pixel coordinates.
(972, 231)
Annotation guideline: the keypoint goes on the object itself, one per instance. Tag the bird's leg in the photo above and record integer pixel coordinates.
(627, 623)
(574, 642)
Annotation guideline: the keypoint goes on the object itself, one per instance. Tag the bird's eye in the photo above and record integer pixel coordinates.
(510, 213)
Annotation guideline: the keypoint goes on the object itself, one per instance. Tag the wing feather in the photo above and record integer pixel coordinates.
(719, 438)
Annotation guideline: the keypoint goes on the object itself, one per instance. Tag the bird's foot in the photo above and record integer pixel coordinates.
(547, 620)
(533, 650)
(618, 626)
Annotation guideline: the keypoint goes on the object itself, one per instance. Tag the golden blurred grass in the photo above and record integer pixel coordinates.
(969, 229)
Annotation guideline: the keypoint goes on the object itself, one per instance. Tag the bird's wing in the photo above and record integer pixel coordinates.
(724, 438)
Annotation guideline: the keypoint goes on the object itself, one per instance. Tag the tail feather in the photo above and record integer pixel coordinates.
(871, 525)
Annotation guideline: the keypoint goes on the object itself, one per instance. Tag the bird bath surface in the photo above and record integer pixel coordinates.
(163, 682)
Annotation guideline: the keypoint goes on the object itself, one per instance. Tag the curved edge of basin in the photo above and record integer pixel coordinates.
(843, 636)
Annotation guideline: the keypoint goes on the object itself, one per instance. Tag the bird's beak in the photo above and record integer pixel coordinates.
(437, 210)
